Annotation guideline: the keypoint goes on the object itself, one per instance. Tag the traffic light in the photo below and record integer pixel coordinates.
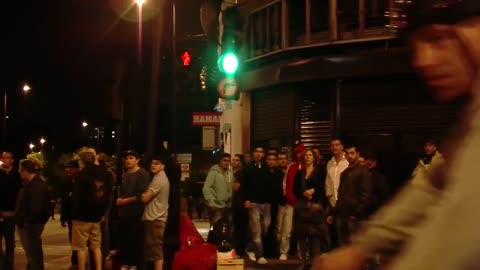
(186, 58)
(228, 63)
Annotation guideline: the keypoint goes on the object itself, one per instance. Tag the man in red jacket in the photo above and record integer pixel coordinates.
(285, 213)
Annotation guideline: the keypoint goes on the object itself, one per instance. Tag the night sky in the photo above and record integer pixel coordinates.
(67, 50)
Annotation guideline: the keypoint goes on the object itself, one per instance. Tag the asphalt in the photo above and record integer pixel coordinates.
(57, 250)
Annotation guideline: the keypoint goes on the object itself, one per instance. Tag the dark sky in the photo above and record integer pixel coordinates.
(66, 50)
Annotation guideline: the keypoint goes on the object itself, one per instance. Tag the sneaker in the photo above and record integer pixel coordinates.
(262, 260)
(133, 268)
(124, 267)
(283, 257)
(251, 256)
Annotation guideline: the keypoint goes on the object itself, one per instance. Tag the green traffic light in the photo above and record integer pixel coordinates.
(229, 63)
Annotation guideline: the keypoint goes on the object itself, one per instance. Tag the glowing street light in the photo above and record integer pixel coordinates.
(140, 2)
(26, 88)
(84, 124)
(43, 141)
(31, 146)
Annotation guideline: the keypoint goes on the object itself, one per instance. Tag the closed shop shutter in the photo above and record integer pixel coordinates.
(315, 125)
(393, 105)
(273, 117)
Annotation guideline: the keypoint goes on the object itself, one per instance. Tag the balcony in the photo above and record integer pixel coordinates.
(278, 25)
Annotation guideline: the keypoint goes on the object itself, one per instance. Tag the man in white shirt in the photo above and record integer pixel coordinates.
(335, 167)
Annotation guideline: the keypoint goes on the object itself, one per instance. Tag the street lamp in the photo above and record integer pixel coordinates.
(42, 141)
(26, 88)
(140, 2)
(84, 124)
(31, 146)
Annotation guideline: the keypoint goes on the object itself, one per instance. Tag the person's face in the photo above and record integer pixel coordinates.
(362, 161)
(441, 60)
(352, 155)
(235, 162)
(248, 158)
(131, 161)
(309, 157)
(156, 166)
(370, 164)
(299, 157)
(336, 147)
(7, 159)
(317, 154)
(283, 160)
(272, 161)
(429, 148)
(259, 154)
(225, 163)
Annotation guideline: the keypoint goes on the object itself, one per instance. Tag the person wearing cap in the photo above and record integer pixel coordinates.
(156, 212)
(435, 218)
(431, 158)
(130, 212)
(71, 169)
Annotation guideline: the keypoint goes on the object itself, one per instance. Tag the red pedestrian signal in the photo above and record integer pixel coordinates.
(186, 59)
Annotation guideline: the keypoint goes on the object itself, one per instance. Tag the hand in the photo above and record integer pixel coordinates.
(236, 186)
(330, 220)
(63, 223)
(247, 204)
(347, 258)
(121, 202)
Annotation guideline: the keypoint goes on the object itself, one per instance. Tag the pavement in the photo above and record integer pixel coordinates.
(57, 250)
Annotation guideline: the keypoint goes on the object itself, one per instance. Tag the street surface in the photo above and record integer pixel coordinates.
(56, 249)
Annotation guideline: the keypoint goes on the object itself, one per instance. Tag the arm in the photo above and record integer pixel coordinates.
(155, 186)
(366, 194)
(208, 193)
(140, 187)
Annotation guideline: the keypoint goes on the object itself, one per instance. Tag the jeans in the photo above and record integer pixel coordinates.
(240, 231)
(131, 242)
(283, 228)
(345, 226)
(215, 214)
(73, 256)
(7, 232)
(259, 219)
(31, 239)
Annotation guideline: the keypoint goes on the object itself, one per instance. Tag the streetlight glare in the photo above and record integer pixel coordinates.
(31, 146)
(26, 88)
(84, 124)
(42, 141)
(140, 2)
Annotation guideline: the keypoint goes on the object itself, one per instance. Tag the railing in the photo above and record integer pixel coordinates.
(284, 24)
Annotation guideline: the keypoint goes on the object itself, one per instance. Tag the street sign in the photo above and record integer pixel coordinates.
(206, 118)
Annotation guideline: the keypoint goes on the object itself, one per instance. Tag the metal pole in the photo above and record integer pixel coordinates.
(5, 112)
(174, 73)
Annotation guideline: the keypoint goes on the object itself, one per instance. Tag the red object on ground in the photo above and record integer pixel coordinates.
(194, 253)
(189, 235)
(202, 257)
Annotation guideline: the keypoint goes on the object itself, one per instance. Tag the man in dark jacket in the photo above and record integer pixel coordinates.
(354, 196)
(10, 184)
(32, 213)
(71, 169)
(90, 199)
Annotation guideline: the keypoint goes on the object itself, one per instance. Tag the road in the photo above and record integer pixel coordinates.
(57, 250)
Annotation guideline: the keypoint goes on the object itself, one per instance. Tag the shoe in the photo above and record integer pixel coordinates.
(283, 257)
(124, 267)
(133, 268)
(262, 260)
(251, 256)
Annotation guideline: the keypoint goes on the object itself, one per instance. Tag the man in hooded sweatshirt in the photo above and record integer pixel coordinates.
(217, 189)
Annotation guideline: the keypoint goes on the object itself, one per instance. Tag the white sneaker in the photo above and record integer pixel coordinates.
(262, 260)
(251, 256)
(283, 257)
(124, 267)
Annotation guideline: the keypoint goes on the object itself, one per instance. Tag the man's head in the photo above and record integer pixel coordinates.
(336, 147)
(132, 158)
(299, 153)
(429, 148)
(87, 158)
(272, 160)
(158, 164)
(258, 154)
(370, 160)
(352, 154)
(444, 36)
(248, 157)
(317, 153)
(225, 160)
(27, 169)
(283, 160)
(7, 159)
(238, 161)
